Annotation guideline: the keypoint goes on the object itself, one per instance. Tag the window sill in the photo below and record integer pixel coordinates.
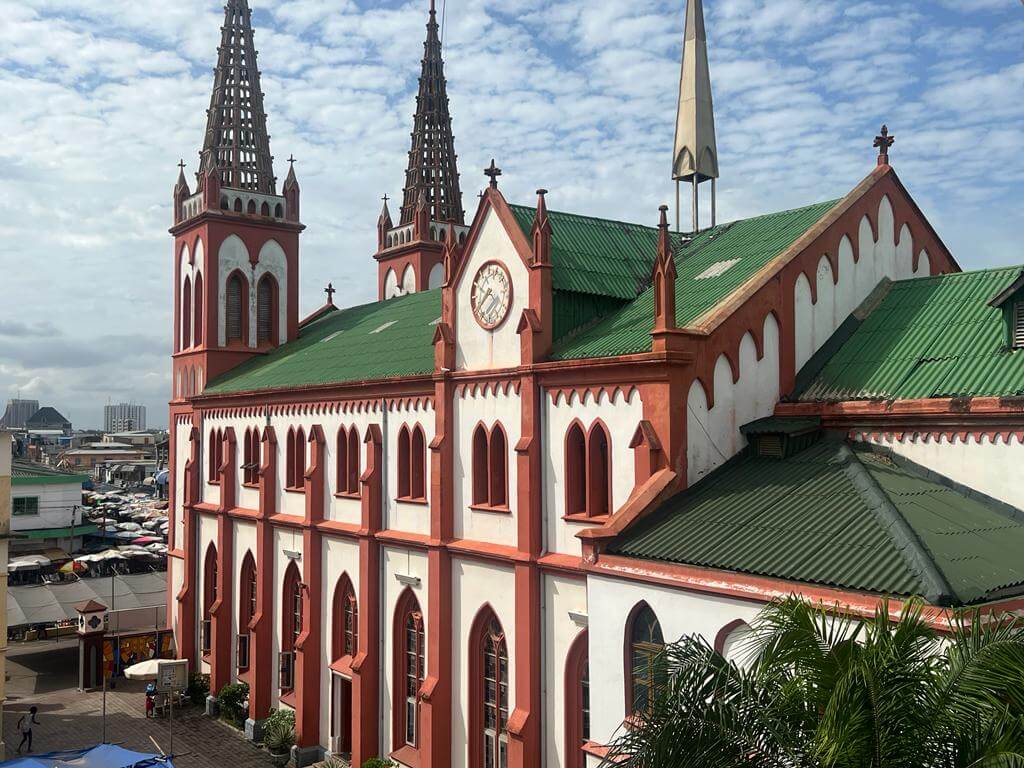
(244, 675)
(411, 500)
(255, 486)
(343, 666)
(406, 755)
(347, 495)
(583, 517)
(288, 489)
(502, 510)
(287, 697)
(213, 482)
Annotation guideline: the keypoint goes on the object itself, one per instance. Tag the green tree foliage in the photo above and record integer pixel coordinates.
(815, 689)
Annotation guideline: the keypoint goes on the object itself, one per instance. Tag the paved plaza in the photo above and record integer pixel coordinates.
(45, 675)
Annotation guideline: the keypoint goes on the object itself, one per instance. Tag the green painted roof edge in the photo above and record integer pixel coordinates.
(60, 479)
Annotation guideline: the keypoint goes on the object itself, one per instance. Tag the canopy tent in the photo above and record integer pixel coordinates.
(102, 756)
(50, 603)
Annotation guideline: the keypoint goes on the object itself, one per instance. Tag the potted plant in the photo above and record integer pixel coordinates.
(278, 738)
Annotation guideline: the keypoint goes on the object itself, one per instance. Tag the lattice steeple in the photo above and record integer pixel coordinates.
(236, 140)
(432, 161)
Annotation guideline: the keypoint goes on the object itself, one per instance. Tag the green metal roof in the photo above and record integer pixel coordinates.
(383, 340)
(929, 337)
(59, 533)
(30, 473)
(840, 515)
(710, 267)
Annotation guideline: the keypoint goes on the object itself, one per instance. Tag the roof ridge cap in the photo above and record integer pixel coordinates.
(908, 544)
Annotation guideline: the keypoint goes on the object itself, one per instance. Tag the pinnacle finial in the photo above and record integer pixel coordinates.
(330, 291)
(492, 172)
(882, 143)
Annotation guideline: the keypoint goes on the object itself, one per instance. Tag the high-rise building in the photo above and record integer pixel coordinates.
(124, 417)
(18, 413)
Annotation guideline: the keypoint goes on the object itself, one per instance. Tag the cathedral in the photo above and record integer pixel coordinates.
(454, 526)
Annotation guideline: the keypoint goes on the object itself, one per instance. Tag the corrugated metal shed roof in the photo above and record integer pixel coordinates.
(30, 473)
(844, 516)
(710, 267)
(386, 339)
(929, 337)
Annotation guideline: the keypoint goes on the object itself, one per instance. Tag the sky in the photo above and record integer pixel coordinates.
(100, 99)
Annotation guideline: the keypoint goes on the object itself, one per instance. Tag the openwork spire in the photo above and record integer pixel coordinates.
(432, 162)
(236, 142)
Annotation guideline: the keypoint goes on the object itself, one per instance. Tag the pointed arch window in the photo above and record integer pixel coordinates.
(246, 608)
(489, 689)
(345, 635)
(348, 461)
(209, 597)
(197, 333)
(588, 477)
(215, 454)
(490, 467)
(646, 672)
(295, 460)
(266, 310)
(577, 701)
(251, 457)
(412, 464)
(291, 625)
(186, 314)
(235, 306)
(409, 669)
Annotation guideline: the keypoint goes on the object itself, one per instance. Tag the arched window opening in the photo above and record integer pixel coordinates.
(575, 471)
(577, 701)
(345, 640)
(238, 205)
(295, 459)
(266, 310)
(598, 474)
(404, 452)
(224, 205)
(488, 693)
(291, 625)
(498, 458)
(209, 597)
(251, 208)
(215, 455)
(265, 209)
(409, 669)
(186, 314)
(353, 460)
(251, 457)
(234, 310)
(480, 463)
(646, 672)
(279, 211)
(197, 333)
(246, 608)
(418, 460)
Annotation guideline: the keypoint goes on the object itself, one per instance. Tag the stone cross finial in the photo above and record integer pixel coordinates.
(385, 199)
(292, 161)
(882, 142)
(181, 165)
(493, 172)
(330, 291)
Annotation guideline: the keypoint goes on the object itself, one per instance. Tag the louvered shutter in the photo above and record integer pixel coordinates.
(1018, 325)
(234, 309)
(265, 312)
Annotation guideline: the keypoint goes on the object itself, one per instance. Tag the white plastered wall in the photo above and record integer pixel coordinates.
(475, 585)
(713, 435)
(888, 257)
(611, 602)
(182, 430)
(403, 515)
(408, 563)
(488, 407)
(408, 281)
(390, 284)
(561, 595)
(621, 412)
(244, 542)
(340, 556)
(982, 464)
(286, 540)
(206, 534)
(476, 347)
(271, 260)
(436, 277)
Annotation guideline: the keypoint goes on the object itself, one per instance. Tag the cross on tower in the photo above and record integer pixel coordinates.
(385, 199)
(181, 164)
(493, 172)
(292, 160)
(330, 291)
(882, 142)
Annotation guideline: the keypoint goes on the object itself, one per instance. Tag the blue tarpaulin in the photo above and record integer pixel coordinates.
(103, 756)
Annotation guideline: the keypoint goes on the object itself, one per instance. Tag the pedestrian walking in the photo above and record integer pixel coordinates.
(25, 723)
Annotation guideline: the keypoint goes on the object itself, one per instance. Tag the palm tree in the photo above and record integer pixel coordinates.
(819, 689)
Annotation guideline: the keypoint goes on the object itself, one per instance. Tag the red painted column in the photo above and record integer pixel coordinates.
(220, 611)
(436, 693)
(262, 664)
(307, 646)
(524, 721)
(366, 664)
(186, 596)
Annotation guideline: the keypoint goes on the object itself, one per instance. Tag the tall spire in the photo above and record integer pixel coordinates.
(695, 156)
(236, 142)
(432, 161)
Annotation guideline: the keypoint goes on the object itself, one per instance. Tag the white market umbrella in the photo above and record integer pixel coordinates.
(144, 670)
(129, 526)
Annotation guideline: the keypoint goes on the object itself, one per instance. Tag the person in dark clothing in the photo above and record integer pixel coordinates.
(25, 723)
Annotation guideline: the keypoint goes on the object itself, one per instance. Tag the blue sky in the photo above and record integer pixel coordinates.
(102, 97)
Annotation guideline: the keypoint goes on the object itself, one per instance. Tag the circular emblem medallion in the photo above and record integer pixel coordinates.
(491, 297)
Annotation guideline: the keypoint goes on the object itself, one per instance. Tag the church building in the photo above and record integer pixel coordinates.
(454, 526)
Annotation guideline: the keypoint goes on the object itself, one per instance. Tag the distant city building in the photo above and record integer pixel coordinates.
(46, 508)
(124, 417)
(18, 413)
(47, 419)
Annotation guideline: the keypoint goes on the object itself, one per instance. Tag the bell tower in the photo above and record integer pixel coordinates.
(410, 256)
(236, 240)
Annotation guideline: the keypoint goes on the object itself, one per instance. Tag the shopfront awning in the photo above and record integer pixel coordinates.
(50, 603)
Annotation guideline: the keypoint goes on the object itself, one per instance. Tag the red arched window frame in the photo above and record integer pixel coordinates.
(186, 314)
(353, 460)
(577, 701)
(418, 465)
(488, 692)
(267, 311)
(404, 452)
(408, 671)
(236, 309)
(481, 493)
(209, 596)
(575, 470)
(251, 457)
(246, 608)
(215, 456)
(599, 475)
(291, 623)
(197, 310)
(348, 461)
(644, 641)
(345, 624)
(295, 460)
(497, 455)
